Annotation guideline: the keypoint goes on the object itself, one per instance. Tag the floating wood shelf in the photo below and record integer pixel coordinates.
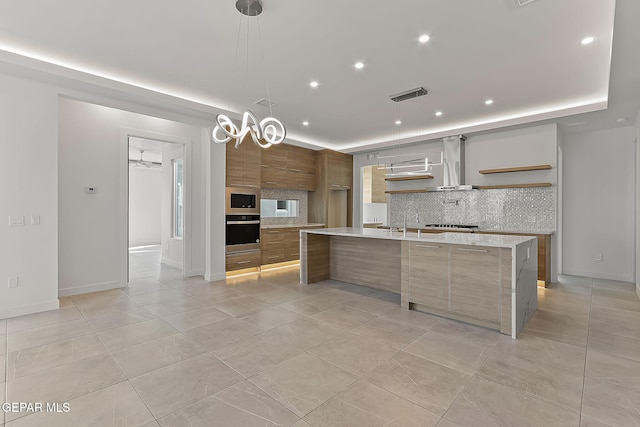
(518, 169)
(409, 178)
(531, 185)
(482, 187)
(421, 190)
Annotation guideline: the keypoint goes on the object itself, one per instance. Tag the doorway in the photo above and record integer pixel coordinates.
(156, 211)
(374, 199)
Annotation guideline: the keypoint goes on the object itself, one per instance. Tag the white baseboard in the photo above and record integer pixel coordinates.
(214, 277)
(171, 263)
(604, 276)
(30, 309)
(136, 244)
(85, 289)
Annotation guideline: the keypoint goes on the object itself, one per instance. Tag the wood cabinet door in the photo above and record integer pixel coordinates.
(273, 177)
(242, 260)
(340, 171)
(300, 180)
(243, 164)
(292, 244)
(274, 167)
(272, 245)
(251, 155)
(474, 287)
(235, 166)
(429, 275)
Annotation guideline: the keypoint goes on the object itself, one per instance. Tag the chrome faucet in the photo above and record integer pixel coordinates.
(406, 208)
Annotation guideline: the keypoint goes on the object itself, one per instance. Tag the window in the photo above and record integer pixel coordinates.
(178, 199)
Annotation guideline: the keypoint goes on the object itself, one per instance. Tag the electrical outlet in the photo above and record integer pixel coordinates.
(14, 282)
(598, 257)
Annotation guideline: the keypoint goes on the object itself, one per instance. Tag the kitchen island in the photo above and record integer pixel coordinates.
(487, 280)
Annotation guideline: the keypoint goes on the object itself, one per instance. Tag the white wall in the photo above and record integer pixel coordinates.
(28, 186)
(145, 185)
(599, 203)
(51, 148)
(172, 247)
(374, 212)
(521, 147)
(214, 163)
(637, 193)
(92, 228)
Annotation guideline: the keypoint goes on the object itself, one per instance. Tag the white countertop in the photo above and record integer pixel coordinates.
(311, 225)
(494, 240)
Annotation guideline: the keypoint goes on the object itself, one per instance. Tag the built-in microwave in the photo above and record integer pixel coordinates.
(241, 201)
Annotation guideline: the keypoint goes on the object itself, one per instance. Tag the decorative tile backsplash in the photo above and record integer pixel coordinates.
(509, 209)
(280, 194)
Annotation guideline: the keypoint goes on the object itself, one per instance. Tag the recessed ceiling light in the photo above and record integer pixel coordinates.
(488, 102)
(305, 123)
(313, 84)
(398, 122)
(423, 38)
(621, 120)
(438, 113)
(587, 40)
(359, 65)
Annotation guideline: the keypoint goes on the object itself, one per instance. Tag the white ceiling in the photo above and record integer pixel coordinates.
(528, 59)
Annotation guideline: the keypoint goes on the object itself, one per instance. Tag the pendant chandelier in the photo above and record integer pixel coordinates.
(266, 132)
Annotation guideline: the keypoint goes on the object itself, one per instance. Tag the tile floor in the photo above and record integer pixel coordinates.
(260, 350)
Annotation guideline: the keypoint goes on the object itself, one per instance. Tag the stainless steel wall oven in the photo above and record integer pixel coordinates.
(243, 233)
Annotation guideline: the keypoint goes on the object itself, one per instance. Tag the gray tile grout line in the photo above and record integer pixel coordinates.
(117, 364)
(584, 371)
(207, 351)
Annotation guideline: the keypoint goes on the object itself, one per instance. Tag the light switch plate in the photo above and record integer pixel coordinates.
(35, 219)
(16, 221)
(14, 282)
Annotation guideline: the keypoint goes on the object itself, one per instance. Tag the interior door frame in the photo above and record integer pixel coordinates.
(124, 135)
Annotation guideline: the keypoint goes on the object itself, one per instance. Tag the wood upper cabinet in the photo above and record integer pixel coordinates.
(286, 166)
(373, 185)
(332, 202)
(274, 167)
(339, 167)
(301, 168)
(243, 164)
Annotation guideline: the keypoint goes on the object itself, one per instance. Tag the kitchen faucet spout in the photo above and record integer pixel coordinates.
(406, 208)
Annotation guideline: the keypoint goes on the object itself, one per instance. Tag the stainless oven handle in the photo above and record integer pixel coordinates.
(257, 221)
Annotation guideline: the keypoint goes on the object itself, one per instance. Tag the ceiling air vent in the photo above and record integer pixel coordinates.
(409, 94)
(265, 103)
(521, 3)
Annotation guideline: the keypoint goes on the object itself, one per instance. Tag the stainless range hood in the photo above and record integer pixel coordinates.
(453, 164)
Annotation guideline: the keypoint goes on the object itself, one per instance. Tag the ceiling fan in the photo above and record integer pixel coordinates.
(140, 163)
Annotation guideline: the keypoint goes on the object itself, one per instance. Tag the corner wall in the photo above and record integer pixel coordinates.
(599, 203)
(637, 193)
(92, 227)
(28, 186)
